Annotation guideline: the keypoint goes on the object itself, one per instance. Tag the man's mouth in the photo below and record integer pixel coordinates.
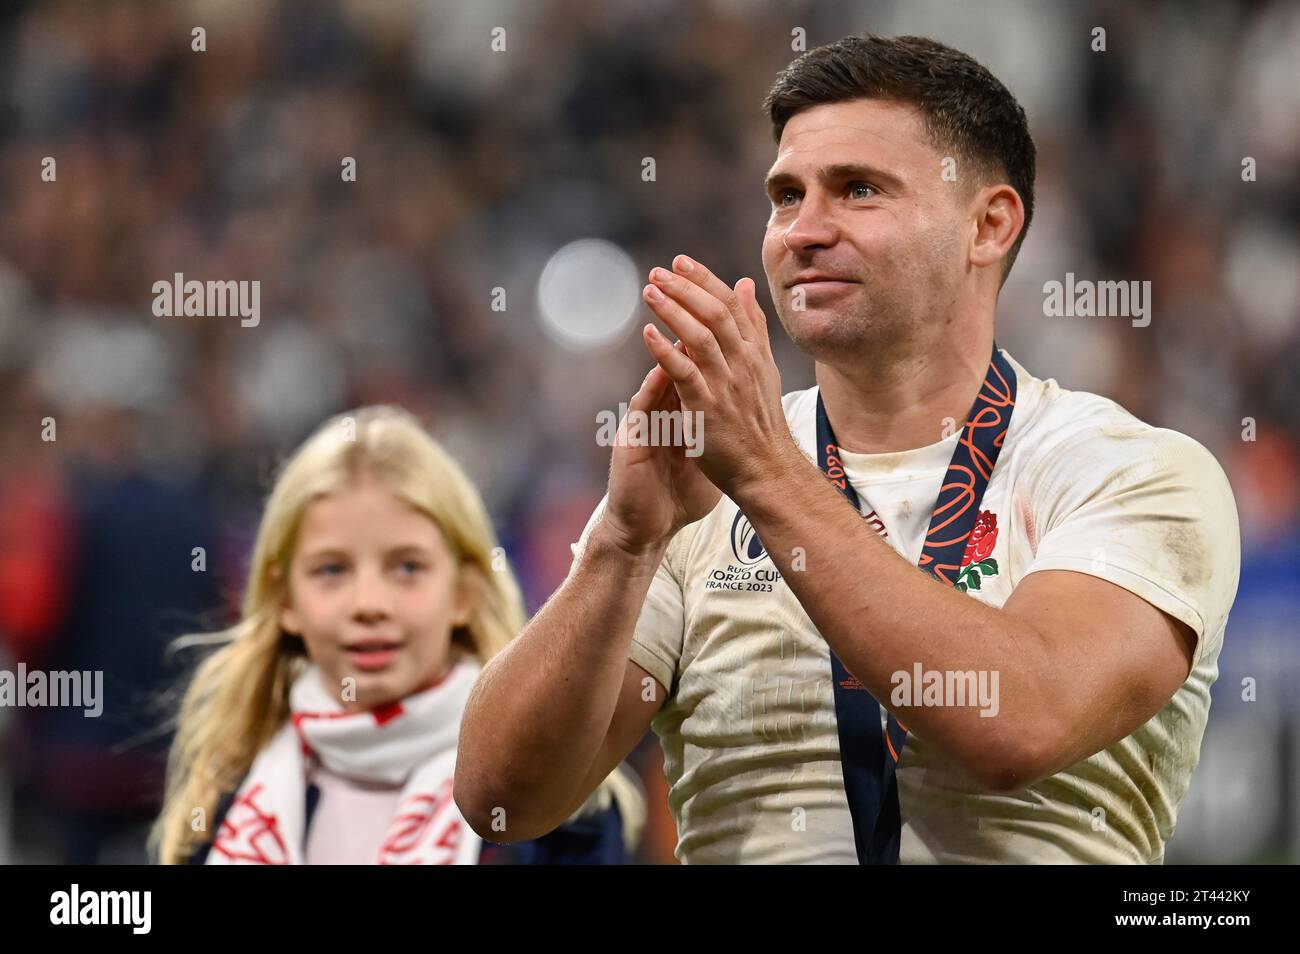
(819, 290)
(820, 278)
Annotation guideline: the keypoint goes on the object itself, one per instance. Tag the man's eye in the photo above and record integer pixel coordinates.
(860, 190)
(784, 195)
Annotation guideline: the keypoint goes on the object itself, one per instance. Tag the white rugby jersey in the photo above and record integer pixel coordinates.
(751, 752)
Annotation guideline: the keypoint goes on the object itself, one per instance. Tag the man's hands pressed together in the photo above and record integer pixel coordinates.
(726, 372)
(654, 491)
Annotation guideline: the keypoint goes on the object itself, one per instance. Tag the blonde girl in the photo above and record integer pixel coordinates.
(323, 727)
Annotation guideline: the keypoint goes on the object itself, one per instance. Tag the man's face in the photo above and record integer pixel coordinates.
(865, 246)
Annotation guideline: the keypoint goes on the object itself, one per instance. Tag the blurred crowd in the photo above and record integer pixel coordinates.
(474, 164)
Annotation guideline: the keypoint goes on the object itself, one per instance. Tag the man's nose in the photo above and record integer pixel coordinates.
(815, 225)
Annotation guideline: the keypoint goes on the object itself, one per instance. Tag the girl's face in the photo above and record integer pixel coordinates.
(374, 592)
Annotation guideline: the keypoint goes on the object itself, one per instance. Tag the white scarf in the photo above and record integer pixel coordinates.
(411, 743)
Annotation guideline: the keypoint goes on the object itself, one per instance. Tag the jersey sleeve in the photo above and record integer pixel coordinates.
(1147, 509)
(657, 639)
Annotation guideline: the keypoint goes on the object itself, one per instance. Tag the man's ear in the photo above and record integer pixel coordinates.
(999, 220)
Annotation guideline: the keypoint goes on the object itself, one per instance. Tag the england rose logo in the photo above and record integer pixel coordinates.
(976, 562)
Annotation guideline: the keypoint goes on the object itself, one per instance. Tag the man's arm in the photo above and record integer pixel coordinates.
(1081, 662)
(553, 714)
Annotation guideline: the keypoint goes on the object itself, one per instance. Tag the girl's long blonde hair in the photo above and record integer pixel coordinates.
(239, 696)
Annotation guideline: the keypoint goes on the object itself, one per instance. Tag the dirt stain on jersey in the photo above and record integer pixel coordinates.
(1185, 546)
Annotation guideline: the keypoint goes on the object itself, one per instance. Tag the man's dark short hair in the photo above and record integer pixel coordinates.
(966, 110)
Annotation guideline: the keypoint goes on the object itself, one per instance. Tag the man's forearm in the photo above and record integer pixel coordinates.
(882, 616)
(541, 709)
